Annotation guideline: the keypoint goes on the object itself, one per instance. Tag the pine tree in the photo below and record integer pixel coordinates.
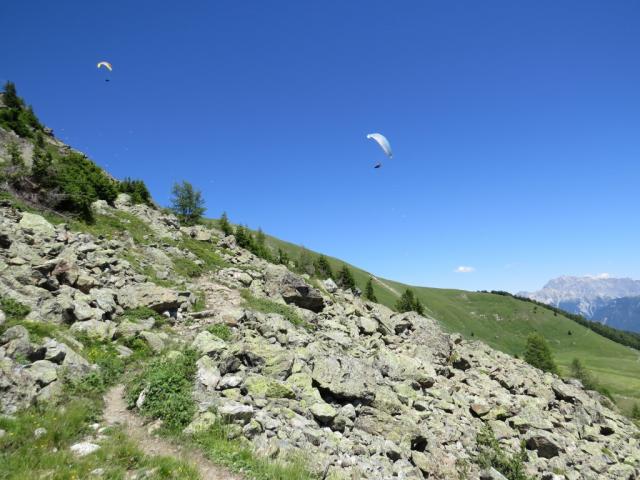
(304, 264)
(369, 294)
(408, 302)
(10, 97)
(323, 269)
(42, 163)
(242, 236)
(187, 203)
(345, 279)
(538, 353)
(580, 372)
(225, 226)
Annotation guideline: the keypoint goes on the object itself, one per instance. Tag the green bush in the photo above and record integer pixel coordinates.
(538, 354)
(17, 116)
(220, 330)
(142, 313)
(13, 309)
(137, 190)
(490, 454)
(167, 384)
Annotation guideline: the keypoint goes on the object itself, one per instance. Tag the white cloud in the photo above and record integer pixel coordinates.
(464, 269)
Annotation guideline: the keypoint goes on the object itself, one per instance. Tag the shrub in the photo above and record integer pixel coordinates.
(17, 116)
(167, 384)
(283, 257)
(539, 355)
(137, 190)
(81, 183)
(187, 203)
(220, 330)
(13, 309)
(492, 455)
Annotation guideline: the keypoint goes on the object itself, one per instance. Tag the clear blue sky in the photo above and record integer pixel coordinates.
(515, 124)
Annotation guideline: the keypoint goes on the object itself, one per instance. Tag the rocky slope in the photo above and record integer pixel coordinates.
(358, 390)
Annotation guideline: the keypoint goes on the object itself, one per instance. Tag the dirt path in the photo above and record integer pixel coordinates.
(388, 287)
(116, 413)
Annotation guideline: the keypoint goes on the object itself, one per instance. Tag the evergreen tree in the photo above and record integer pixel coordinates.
(42, 164)
(10, 97)
(580, 372)
(345, 279)
(242, 236)
(538, 354)
(137, 190)
(408, 302)
(261, 249)
(304, 264)
(369, 294)
(187, 203)
(323, 269)
(225, 226)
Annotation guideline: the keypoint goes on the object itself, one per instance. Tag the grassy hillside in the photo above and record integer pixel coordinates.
(505, 322)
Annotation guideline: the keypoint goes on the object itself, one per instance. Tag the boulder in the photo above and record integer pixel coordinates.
(235, 411)
(155, 342)
(323, 412)
(543, 444)
(95, 329)
(83, 449)
(36, 225)
(150, 295)
(345, 377)
(208, 344)
(43, 372)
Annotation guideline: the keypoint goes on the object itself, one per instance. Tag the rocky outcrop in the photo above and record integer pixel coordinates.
(357, 389)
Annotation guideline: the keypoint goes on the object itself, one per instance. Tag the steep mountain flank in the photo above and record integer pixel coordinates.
(289, 369)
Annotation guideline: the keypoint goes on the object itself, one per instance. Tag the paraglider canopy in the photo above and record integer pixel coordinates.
(383, 142)
(106, 65)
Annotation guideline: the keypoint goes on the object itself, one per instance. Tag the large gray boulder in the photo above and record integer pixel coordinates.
(36, 225)
(292, 288)
(149, 295)
(345, 377)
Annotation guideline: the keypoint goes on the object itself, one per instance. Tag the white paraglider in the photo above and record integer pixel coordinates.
(106, 65)
(384, 144)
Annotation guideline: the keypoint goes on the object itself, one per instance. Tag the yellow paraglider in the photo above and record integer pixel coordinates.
(106, 65)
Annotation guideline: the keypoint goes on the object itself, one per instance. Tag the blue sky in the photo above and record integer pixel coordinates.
(515, 125)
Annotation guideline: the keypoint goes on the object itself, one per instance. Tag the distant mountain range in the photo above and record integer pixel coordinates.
(612, 301)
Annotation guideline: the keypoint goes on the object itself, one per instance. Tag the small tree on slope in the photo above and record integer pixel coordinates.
(369, 294)
(538, 354)
(187, 203)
